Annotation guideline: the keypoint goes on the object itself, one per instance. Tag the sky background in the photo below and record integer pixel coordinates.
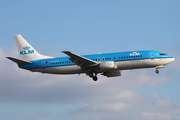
(89, 27)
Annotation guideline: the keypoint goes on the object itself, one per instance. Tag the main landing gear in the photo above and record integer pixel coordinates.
(93, 76)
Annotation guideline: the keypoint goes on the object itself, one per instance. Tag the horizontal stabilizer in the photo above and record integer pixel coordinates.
(18, 61)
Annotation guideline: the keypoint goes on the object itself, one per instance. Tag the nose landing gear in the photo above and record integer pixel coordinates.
(158, 67)
(157, 71)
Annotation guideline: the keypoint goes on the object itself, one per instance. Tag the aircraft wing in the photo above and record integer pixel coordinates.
(79, 60)
(18, 61)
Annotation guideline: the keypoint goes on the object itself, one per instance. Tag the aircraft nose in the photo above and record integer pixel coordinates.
(172, 59)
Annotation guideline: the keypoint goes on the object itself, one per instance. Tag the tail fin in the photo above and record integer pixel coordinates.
(27, 52)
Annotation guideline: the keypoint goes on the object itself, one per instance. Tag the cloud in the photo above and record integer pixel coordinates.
(157, 116)
(164, 102)
(43, 113)
(130, 109)
(127, 95)
(111, 107)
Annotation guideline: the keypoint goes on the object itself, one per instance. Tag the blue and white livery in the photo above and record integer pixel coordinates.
(108, 64)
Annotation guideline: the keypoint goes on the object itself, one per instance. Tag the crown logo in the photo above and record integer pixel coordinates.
(134, 53)
(26, 48)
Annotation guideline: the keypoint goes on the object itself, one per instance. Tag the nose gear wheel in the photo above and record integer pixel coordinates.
(157, 71)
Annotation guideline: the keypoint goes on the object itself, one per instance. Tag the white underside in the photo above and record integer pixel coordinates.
(121, 65)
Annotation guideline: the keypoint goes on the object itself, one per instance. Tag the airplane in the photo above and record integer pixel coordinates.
(107, 64)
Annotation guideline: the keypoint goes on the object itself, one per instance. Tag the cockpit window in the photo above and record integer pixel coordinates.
(162, 54)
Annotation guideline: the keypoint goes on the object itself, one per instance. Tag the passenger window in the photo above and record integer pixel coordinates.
(129, 56)
(126, 56)
(114, 58)
(121, 57)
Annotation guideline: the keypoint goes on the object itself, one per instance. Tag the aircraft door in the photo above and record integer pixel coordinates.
(43, 64)
(152, 55)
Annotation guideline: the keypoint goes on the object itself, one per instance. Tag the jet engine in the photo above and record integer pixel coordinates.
(113, 73)
(107, 65)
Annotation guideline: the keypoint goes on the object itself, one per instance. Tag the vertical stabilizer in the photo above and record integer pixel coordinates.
(26, 51)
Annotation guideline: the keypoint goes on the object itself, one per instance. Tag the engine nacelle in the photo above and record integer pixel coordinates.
(113, 73)
(107, 65)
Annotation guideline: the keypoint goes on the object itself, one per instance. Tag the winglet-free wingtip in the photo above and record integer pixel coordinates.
(17, 35)
(65, 51)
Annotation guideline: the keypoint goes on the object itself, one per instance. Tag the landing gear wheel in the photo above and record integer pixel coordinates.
(95, 78)
(91, 75)
(157, 71)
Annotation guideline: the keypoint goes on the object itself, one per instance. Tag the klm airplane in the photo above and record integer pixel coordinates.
(107, 64)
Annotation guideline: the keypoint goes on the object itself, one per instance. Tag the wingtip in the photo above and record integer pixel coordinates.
(8, 57)
(18, 35)
(65, 51)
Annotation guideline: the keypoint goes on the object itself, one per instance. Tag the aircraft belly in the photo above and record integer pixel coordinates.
(136, 64)
(122, 65)
(153, 62)
(74, 69)
(60, 70)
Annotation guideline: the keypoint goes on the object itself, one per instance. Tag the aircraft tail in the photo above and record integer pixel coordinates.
(26, 51)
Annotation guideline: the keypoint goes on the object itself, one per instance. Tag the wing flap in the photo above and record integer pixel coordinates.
(79, 60)
(18, 61)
